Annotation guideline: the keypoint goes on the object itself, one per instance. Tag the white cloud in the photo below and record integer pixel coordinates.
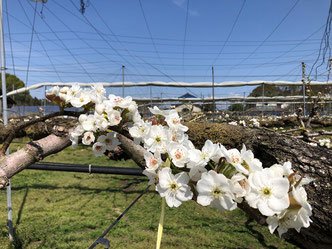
(183, 5)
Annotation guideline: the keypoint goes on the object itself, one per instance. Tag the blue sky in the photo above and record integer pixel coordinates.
(165, 40)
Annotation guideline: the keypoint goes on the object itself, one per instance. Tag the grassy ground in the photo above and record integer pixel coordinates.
(71, 210)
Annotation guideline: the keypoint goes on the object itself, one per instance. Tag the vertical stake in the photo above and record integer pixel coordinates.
(5, 119)
(123, 68)
(213, 101)
(262, 99)
(244, 100)
(151, 96)
(303, 87)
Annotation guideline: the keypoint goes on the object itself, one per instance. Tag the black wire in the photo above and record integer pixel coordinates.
(126, 49)
(83, 40)
(29, 57)
(175, 75)
(118, 219)
(185, 35)
(326, 41)
(67, 49)
(149, 30)
(288, 51)
(230, 33)
(270, 34)
(45, 51)
(170, 39)
(100, 34)
(10, 40)
(187, 45)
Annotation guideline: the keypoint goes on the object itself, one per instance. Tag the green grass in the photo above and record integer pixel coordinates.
(71, 210)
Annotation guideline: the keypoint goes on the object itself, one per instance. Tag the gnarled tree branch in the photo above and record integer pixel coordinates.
(33, 152)
(12, 132)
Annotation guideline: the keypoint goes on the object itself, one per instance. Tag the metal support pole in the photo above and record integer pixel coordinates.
(303, 99)
(303, 87)
(5, 119)
(262, 99)
(123, 79)
(244, 100)
(213, 101)
(151, 96)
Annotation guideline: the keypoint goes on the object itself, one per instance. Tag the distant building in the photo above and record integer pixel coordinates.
(187, 96)
(187, 107)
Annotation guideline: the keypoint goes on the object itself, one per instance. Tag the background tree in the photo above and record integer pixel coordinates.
(236, 108)
(14, 83)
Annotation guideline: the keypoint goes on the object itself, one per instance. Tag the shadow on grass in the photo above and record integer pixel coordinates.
(17, 242)
(21, 207)
(259, 236)
(124, 189)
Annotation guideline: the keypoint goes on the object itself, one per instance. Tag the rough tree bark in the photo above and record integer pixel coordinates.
(269, 147)
(33, 152)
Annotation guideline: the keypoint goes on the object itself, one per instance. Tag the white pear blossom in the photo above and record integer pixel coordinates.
(241, 186)
(250, 163)
(99, 148)
(132, 107)
(140, 130)
(177, 136)
(114, 117)
(296, 216)
(63, 93)
(325, 142)
(99, 89)
(100, 108)
(75, 134)
(174, 188)
(202, 157)
(233, 156)
(283, 170)
(268, 192)
(74, 140)
(88, 122)
(178, 154)
(254, 123)
(156, 111)
(73, 91)
(196, 172)
(53, 91)
(215, 190)
(110, 141)
(120, 102)
(153, 161)
(80, 100)
(174, 121)
(88, 138)
(156, 139)
(101, 122)
(151, 174)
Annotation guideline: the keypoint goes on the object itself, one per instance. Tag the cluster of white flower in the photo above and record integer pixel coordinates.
(107, 112)
(213, 176)
(254, 123)
(326, 142)
(242, 122)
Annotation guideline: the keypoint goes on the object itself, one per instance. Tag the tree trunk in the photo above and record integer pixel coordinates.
(271, 148)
